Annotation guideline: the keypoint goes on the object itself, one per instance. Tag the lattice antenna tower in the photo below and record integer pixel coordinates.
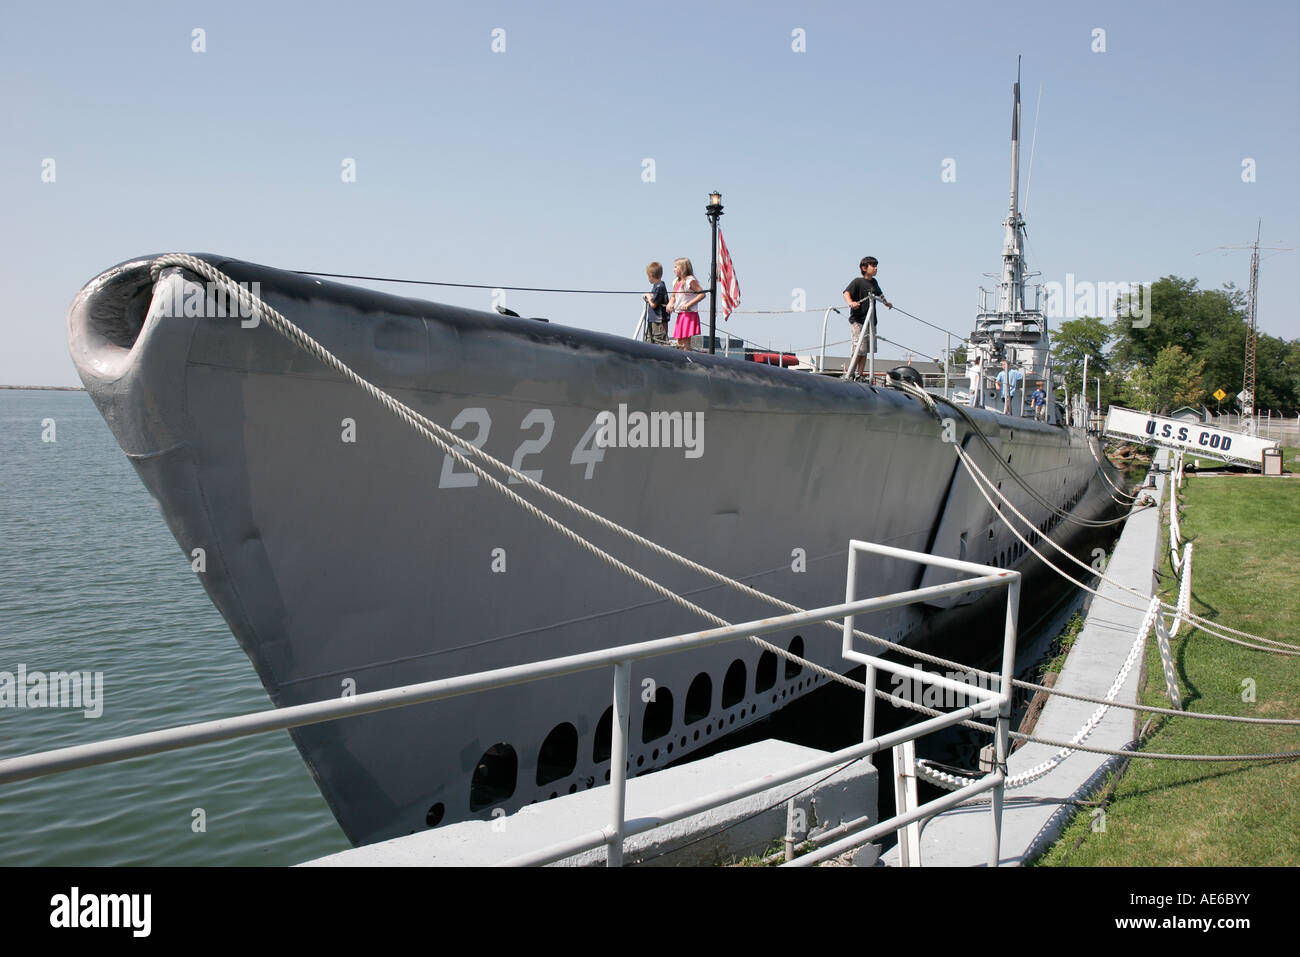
(1248, 375)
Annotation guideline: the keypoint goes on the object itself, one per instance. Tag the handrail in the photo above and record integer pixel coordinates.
(294, 716)
(869, 328)
(821, 361)
(621, 657)
(818, 352)
(642, 324)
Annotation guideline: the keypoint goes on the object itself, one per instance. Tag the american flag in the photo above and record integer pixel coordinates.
(727, 283)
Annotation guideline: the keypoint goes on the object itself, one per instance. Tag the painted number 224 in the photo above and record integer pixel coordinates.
(586, 452)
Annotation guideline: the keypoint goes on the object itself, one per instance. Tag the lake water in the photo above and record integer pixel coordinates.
(92, 581)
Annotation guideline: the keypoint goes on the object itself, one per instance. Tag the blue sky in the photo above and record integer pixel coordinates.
(526, 166)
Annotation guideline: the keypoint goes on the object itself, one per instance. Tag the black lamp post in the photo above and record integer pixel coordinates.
(713, 211)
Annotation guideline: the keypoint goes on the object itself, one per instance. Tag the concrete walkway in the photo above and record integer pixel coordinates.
(1033, 816)
(742, 827)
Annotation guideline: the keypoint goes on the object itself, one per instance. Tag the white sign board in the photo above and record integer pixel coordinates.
(1203, 440)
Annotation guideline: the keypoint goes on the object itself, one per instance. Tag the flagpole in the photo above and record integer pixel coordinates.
(713, 211)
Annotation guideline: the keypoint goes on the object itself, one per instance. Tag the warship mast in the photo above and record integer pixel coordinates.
(1012, 287)
(1016, 330)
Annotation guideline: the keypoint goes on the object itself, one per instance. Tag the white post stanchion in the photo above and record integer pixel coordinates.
(905, 800)
(618, 763)
(871, 331)
(1184, 591)
(1167, 661)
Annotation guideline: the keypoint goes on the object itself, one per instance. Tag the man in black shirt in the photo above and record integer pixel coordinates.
(858, 294)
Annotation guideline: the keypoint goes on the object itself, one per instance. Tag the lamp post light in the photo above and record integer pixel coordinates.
(713, 211)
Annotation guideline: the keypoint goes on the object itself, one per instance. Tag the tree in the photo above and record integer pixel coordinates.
(1290, 372)
(1077, 338)
(1276, 373)
(1173, 379)
(1182, 315)
(1208, 325)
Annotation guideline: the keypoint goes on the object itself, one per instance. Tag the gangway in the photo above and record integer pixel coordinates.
(1180, 435)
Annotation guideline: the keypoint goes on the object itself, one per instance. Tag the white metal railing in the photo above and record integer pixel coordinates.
(642, 324)
(994, 702)
(821, 359)
(1175, 529)
(613, 834)
(865, 340)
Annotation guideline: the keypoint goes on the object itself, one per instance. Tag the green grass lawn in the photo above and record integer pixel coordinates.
(1245, 573)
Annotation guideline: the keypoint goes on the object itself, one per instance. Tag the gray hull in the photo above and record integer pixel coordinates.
(360, 565)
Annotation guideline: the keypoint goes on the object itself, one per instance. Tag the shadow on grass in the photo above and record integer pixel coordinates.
(1237, 768)
(1188, 687)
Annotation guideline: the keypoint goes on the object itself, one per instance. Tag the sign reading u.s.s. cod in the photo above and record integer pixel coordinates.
(1184, 436)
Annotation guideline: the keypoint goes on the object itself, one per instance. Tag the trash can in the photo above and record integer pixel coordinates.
(1272, 461)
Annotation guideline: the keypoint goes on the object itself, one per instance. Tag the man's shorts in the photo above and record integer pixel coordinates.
(856, 327)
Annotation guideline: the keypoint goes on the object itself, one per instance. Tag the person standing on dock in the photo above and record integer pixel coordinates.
(858, 294)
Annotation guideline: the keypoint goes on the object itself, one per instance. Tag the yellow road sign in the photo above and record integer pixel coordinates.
(1220, 394)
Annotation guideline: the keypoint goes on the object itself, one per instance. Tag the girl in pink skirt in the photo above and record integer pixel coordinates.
(687, 294)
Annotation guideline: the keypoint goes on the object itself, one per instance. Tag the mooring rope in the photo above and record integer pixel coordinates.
(1006, 466)
(1184, 591)
(1205, 625)
(448, 441)
(1115, 489)
(1042, 768)
(431, 430)
(1175, 535)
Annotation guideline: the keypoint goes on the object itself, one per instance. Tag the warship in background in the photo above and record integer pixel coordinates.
(346, 554)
